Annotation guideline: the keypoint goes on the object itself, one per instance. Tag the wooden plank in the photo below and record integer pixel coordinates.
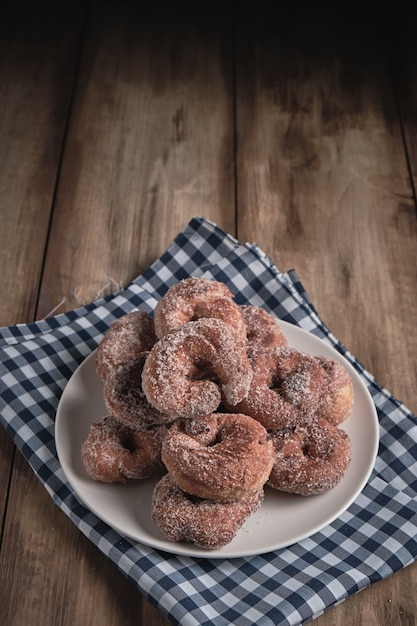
(6, 460)
(65, 580)
(37, 45)
(324, 188)
(33, 113)
(312, 120)
(150, 144)
(401, 50)
(324, 185)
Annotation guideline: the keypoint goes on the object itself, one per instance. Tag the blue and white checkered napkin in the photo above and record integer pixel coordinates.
(376, 535)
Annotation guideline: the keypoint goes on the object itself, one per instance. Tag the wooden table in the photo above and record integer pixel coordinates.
(118, 123)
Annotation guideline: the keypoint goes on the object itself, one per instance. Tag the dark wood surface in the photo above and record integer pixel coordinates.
(118, 123)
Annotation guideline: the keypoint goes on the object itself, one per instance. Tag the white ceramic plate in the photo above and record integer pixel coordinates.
(282, 520)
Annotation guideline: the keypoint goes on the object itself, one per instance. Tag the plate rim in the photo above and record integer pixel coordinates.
(226, 552)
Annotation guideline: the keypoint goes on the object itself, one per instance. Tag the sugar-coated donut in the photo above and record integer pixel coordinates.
(167, 384)
(126, 338)
(124, 397)
(262, 329)
(337, 401)
(234, 461)
(195, 298)
(114, 453)
(329, 392)
(187, 370)
(311, 459)
(288, 386)
(207, 524)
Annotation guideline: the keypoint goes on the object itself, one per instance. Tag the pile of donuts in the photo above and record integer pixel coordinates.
(207, 396)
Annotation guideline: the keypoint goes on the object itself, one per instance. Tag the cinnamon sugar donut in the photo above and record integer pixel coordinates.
(208, 524)
(289, 385)
(114, 453)
(329, 385)
(124, 397)
(262, 329)
(311, 459)
(126, 338)
(187, 370)
(195, 298)
(233, 462)
(337, 401)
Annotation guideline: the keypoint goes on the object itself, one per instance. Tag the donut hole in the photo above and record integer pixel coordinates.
(315, 444)
(276, 385)
(251, 335)
(307, 449)
(219, 438)
(128, 442)
(203, 370)
(195, 316)
(126, 381)
(193, 499)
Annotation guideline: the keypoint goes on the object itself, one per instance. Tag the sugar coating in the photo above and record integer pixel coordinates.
(127, 337)
(311, 459)
(114, 453)
(188, 370)
(124, 397)
(289, 386)
(208, 524)
(337, 400)
(233, 461)
(262, 329)
(196, 298)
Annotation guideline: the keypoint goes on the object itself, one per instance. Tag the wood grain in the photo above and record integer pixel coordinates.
(6, 459)
(324, 185)
(150, 144)
(51, 574)
(401, 52)
(112, 217)
(120, 122)
(324, 188)
(36, 47)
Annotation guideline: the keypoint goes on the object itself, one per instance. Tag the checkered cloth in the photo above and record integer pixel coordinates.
(376, 536)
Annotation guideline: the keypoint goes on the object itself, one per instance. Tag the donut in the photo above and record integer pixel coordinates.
(126, 338)
(113, 453)
(196, 298)
(262, 329)
(232, 463)
(207, 524)
(186, 371)
(337, 401)
(310, 459)
(329, 387)
(289, 385)
(124, 397)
